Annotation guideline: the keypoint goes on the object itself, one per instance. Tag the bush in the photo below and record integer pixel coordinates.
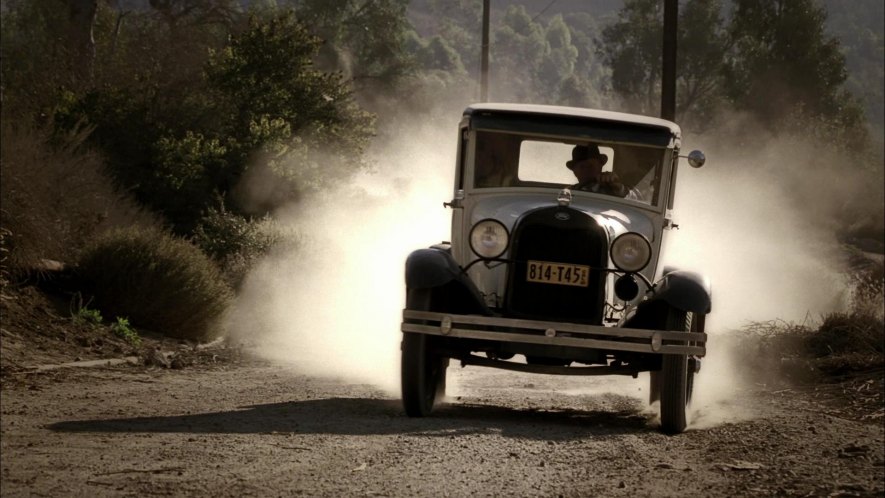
(237, 243)
(158, 281)
(867, 287)
(121, 328)
(87, 316)
(845, 333)
(234, 242)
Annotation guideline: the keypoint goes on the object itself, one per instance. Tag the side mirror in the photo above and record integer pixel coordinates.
(696, 159)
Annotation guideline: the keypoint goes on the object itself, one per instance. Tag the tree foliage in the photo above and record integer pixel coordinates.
(785, 69)
(860, 26)
(38, 62)
(361, 39)
(251, 107)
(772, 59)
(459, 25)
(202, 105)
(632, 51)
(632, 48)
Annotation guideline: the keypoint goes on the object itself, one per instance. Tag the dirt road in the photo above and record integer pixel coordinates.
(255, 429)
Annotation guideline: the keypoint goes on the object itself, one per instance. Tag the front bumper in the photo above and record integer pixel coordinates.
(554, 333)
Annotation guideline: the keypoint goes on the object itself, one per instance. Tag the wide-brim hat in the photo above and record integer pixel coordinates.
(582, 152)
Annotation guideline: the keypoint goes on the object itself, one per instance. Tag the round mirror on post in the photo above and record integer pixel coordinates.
(696, 158)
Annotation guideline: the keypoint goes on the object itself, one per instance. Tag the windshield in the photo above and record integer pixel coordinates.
(624, 170)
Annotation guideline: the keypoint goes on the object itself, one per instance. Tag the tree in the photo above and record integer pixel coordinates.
(277, 108)
(82, 14)
(517, 52)
(784, 68)
(858, 25)
(701, 44)
(459, 23)
(559, 60)
(585, 88)
(438, 55)
(772, 60)
(364, 39)
(47, 52)
(186, 140)
(178, 13)
(632, 48)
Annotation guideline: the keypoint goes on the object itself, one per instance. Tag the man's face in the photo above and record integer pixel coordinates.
(587, 170)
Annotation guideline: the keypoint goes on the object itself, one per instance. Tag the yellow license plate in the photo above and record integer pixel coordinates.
(546, 272)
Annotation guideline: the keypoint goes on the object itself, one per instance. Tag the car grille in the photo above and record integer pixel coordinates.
(558, 235)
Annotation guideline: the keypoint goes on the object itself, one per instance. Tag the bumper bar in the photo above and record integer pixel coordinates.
(554, 333)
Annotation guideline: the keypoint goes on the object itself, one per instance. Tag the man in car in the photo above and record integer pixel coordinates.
(587, 163)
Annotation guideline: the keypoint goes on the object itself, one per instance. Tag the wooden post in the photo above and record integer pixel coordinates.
(668, 60)
(484, 61)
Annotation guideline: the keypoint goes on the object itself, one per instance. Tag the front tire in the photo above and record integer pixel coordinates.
(675, 380)
(423, 370)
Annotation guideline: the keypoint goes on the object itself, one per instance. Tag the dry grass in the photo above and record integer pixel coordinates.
(55, 197)
(838, 345)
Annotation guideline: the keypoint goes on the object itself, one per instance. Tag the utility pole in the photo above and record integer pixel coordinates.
(484, 61)
(668, 60)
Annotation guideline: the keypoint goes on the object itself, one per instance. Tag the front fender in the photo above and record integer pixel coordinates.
(435, 268)
(684, 290)
(430, 268)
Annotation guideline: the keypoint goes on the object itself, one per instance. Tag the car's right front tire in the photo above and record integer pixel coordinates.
(423, 370)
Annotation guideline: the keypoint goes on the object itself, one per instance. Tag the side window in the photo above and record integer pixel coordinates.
(639, 168)
(497, 156)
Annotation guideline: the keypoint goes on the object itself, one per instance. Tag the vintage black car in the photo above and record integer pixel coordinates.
(558, 220)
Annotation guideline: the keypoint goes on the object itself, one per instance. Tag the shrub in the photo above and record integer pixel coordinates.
(159, 281)
(868, 288)
(88, 316)
(842, 333)
(122, 329)
(236, 243)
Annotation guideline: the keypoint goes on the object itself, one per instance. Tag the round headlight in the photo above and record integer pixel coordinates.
(488, 239)
(631, 251)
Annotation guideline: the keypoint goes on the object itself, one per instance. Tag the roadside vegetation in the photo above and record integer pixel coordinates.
(832, 347)
(148, 147)
(157, 280)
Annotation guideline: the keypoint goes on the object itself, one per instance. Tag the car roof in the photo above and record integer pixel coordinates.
(578, 112)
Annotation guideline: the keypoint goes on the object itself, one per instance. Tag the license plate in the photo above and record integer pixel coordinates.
(546, 272)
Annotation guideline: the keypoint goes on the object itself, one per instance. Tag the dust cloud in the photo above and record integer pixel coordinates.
(333, 306)
(759, 222)
(767, 257)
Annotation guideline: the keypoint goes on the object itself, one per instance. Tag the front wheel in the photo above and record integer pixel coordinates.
(675, 382)
(423, 371)
(674, 393)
